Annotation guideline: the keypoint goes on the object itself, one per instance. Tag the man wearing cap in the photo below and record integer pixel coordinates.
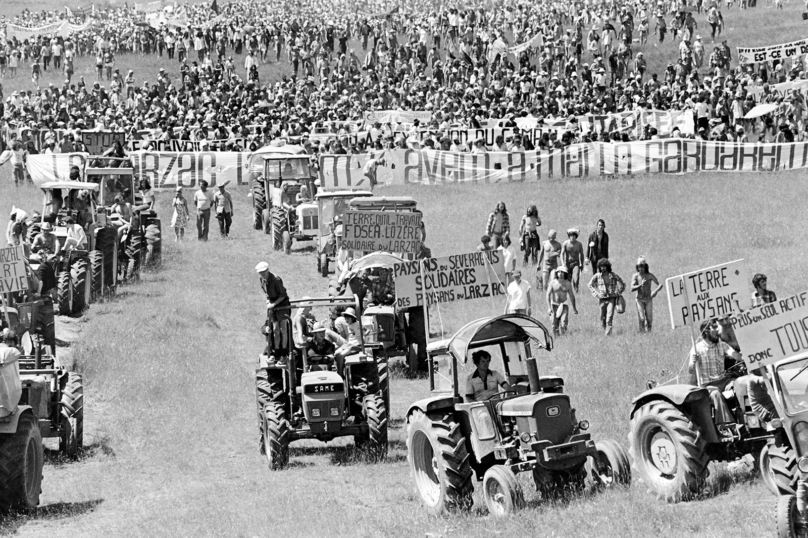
(277, 305)
(224, 209)
(323, 342)
(559, 292)
(572, 256)
(641, 283)
(203, 199)
(518, 295)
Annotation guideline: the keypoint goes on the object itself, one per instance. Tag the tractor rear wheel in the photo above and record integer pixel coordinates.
(78, 271)
(259, 204)
(790, 523)
(279, 225)
(64, 294)
(783, 465)
(322, 264)
(608, 467)
(134, 251)
(72, 440)
(502, 492)
(276, 436)
(439, 461)
(96, 275)
(21, 461)
(668, 451)
(374, 444)
(268, 389)
(107, 242)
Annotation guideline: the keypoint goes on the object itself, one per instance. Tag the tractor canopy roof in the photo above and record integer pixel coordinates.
(384, 202)
(72, 185)
(487, 331)
(373, 260)
(269, 152)
(342, 194)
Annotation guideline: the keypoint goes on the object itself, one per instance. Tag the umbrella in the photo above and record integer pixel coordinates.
(760, 110)
(527, 122)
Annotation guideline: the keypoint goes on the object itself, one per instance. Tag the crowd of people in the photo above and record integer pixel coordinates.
(449, 61)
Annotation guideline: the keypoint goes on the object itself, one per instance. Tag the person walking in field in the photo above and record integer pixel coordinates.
(203, 199)
(224, 210)
(572, 256)
(499, 224)
(559, 294)
(641, 284)
(518, 295)
(606, 287)
(548, 259)
(179, 220)
(529, 234)
(597, 247)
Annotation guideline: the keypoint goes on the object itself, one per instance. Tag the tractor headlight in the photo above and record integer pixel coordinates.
(525, 437)
(801, 436)
(802, 464)
(584, 425)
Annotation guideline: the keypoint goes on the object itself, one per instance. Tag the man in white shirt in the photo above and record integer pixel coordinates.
(518, 295)
(76, 238)
(203, 199)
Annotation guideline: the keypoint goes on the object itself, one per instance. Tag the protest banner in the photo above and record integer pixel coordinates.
(12, 270)
(535, 41)
(635, 122)
(460, 277)
(61, 28)
(187, 169)
(382, 231)
(751, 55)
(780, 90)
(397, 116)
(773, 331)
(54, 166)
(710, 293)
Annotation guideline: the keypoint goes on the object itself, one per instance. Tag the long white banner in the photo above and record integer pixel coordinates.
(55, 166)
(187, 169)
(751, 55)
(667, 156)
(61, 28)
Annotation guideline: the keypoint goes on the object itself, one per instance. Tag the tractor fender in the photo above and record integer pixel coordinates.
(9, 424)
(694, 401)
(434, 403)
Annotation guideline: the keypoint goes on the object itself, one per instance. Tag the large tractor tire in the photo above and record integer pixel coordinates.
(668, 451)
(259, 204)
(374, 444)
(21, 461)
(268, 389)
(783, 469)
(97, 267)
(72, 440)
(279, 225)
(154, 244)
(266, 219)
(134, 251)
(609, 466)
(790, 523)
(502, 492)
(81, 290)
(107, 242)
(439, 461)
(64, 293)
(276, 436)
(384, 377)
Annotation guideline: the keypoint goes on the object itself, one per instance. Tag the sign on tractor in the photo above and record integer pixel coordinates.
(477, 275)
(773, 331)
(12, 270)
(714, 292)
(382, 231)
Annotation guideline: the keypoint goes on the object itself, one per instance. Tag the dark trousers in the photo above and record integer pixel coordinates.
(225, 220)
(202, 223)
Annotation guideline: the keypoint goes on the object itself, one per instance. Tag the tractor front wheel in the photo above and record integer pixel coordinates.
(64, 293)
(668, 451)
(502, 492)
(783, 469)
(276, 436)
(96, 275)
(259, 204)
(81, 291)
(439, 461)
(790, 523)
(374, 445)
(21, 461)
(609, 466)
(72, 439)
(279, 225)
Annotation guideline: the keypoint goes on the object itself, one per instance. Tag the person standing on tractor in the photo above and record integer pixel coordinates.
(762, 294)
(606, 287)
(572, 256)
(203, 199)
(559, 293)
(641, 284)
(277, 307)
(224, 210)
(9, 354)
(483, 382)
(707, 358)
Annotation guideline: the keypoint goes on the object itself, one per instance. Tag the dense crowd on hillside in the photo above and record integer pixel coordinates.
(451, 62)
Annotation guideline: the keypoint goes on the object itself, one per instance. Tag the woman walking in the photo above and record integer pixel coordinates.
(180, 218)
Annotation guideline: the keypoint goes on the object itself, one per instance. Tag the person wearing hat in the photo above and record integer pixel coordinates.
(17, 227)
(277, 306)
(224, 209)
(350, 330)
(179, 220)
(706, 363)
(641, 284)
(46, 241)
(518, 295)
(323, 342)
(572, 256)
(559, 293)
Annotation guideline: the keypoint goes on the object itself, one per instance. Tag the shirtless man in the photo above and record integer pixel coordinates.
(558, 291)
(572, 256)
(548, 259)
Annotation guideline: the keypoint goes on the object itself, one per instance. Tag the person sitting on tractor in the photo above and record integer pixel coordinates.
(483, 382)
(121, 215)
(301, 324)
(323, 343)
(76, 238)
(352, 342)
(381, 286)
(708, 356)
(304, 196)
(277, 307)
(46, 243)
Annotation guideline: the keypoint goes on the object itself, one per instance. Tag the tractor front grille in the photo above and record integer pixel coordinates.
(320, 410)
(553, 418)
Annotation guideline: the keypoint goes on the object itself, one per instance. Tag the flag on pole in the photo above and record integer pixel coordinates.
(214, 7)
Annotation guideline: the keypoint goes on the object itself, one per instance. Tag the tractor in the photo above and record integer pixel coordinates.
(331, 206)
(82, 272)
(302, 396)
(674, 436)
(530, 427)
(280, 208)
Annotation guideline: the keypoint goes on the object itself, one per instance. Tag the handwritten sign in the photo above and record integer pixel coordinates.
(714, 292)
(382, 231)
(12, 270)
(461, 277)
(772, 332)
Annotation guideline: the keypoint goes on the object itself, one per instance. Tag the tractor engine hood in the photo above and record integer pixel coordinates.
(526, 406)
(547, 417)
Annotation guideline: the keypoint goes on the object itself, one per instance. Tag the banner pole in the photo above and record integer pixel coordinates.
(692, 335)
(426, 310)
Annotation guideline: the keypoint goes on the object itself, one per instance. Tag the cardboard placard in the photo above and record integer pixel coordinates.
(12, 270)
(714, 292)
(382, 231)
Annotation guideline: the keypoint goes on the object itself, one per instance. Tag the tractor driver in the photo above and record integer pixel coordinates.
(323, 343)
(483, 382)
(709, 354)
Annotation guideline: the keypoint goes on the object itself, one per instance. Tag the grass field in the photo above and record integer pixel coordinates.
(169, 364)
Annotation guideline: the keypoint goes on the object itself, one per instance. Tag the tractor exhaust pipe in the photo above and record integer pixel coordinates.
(533, 375)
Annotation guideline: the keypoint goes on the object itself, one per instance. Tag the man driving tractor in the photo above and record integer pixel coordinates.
(483, 382)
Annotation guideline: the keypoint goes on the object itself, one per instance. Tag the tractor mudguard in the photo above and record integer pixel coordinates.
(9, 424)
(694, 401)
(434, 403)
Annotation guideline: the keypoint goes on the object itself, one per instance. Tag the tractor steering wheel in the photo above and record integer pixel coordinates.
(500, 395)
